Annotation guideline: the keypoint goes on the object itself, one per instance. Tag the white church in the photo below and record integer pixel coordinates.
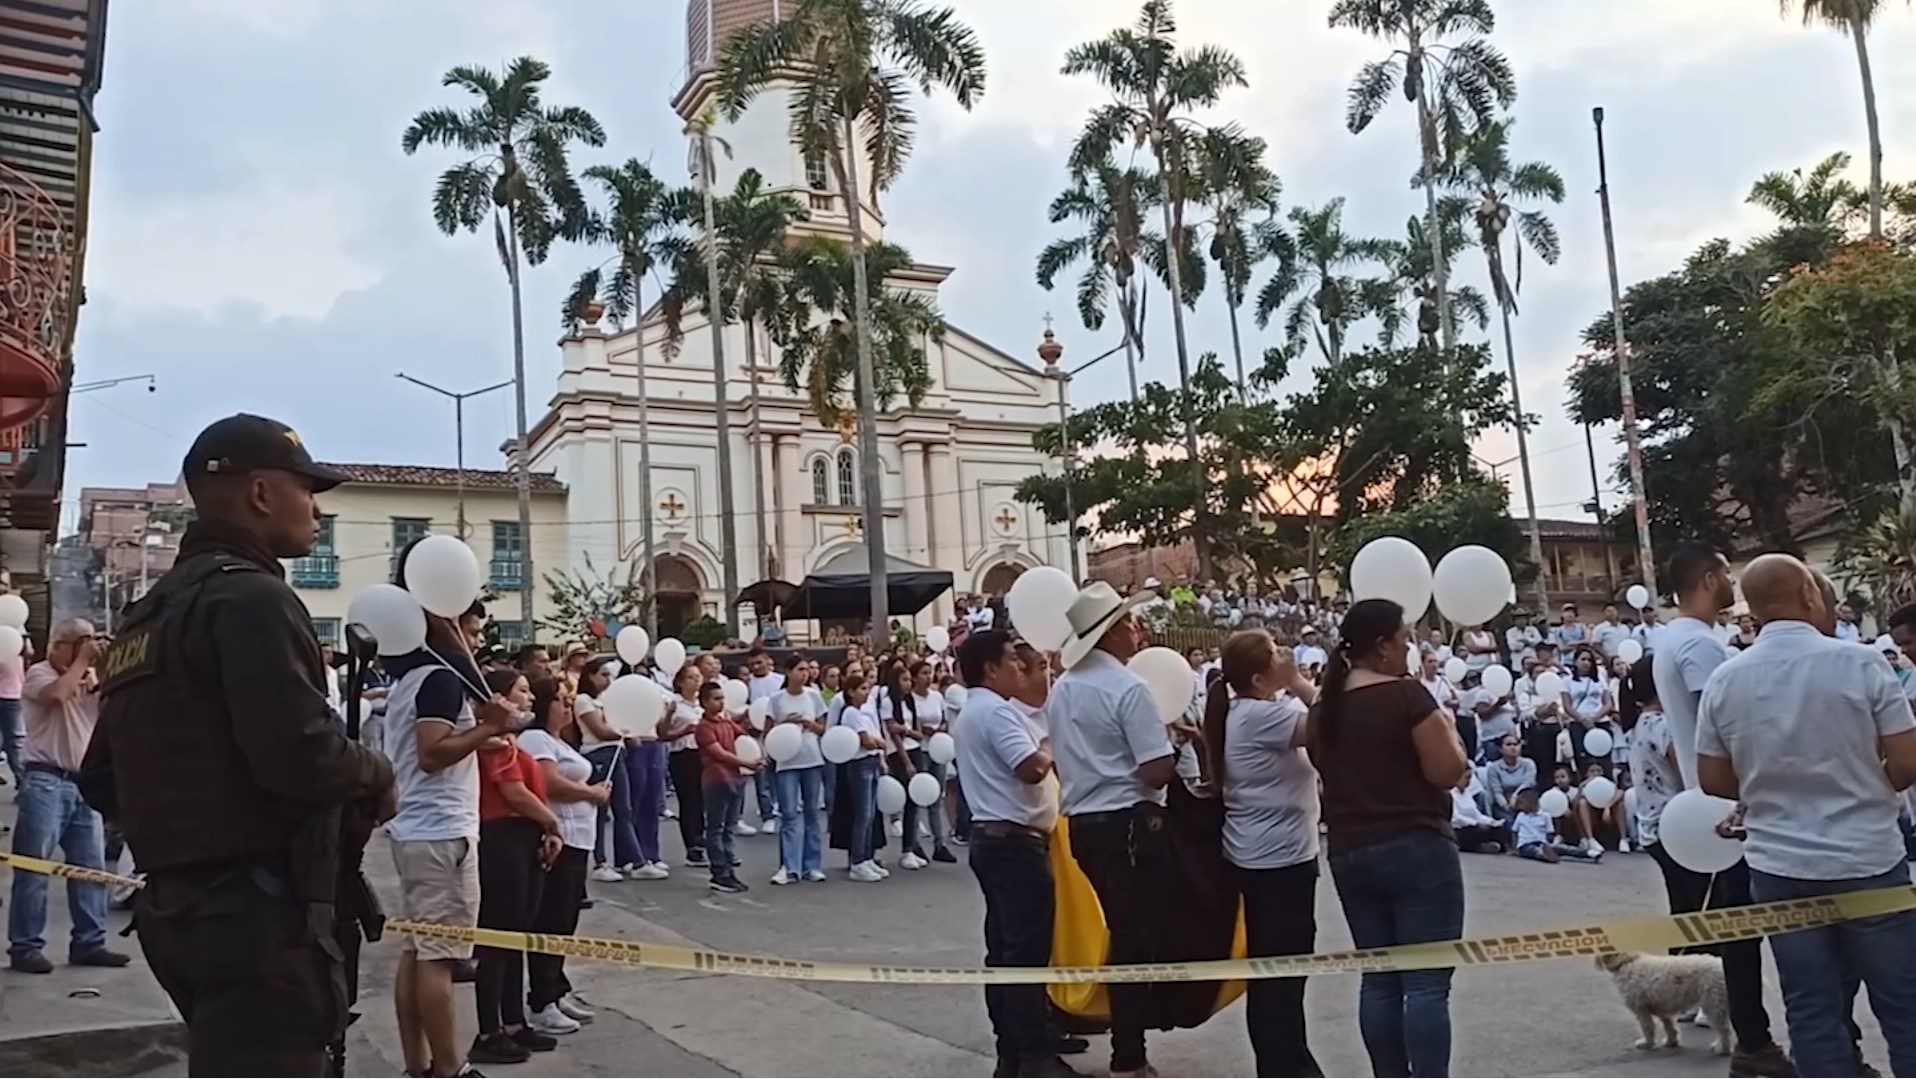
(950, 465)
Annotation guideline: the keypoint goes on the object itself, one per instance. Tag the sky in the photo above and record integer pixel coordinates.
(259, 242)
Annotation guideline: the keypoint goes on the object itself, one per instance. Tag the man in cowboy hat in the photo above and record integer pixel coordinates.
(1114, 759)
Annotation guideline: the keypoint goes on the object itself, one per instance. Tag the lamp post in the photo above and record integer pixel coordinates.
(1050, 351)
(459, 437)
(1646, 561)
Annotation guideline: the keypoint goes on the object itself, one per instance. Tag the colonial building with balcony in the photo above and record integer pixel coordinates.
(50, 65)
(133, 534)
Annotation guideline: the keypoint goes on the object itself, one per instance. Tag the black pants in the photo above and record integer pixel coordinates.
(557, 915)
(1280, 918)
(1127, 857)
(1014, 873)
(683, 764)
(262, 989)
(510, 884)
(1689, 892)
(1472, 836)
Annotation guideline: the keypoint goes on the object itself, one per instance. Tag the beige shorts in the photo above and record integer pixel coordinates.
(439, 884)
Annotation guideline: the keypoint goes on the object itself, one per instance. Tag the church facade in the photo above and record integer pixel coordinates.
(950, 465)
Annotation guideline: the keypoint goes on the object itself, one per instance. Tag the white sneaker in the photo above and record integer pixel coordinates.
(664, 870)
(670, 813)
(1623, 846)
(653, 871)
(867, 873)
(898, 827)
(1700, 1019)
(911, 861)
(605, 874)
(1594, 847)
(784, 876)
(742, 828)
(815, 875)
(550, 1020)
(768, 825)
(882, 871)
(574, 1008)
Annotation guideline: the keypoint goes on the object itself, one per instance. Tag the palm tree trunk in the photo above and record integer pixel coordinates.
(1440, 264)
(648, 564)
(521, 453)
(763, 559)
(1859, 32)
(1129, 300)
(1523, 460)
(1237, 345)
(721, 406)
(1174, 254)
(868, 465)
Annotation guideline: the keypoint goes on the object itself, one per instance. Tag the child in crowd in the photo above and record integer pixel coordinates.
(1476, 830)
(1509, 772)
(723, 779)
(1606, 826)
(1537, 837)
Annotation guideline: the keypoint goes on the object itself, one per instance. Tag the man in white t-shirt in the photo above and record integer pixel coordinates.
(1307, 652)
(1687, 654)
(1814, 737)
(1114, 760)
(1609, 633)
(761, 681)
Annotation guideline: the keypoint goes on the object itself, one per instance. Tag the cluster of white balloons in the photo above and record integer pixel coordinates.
(442, 578)
(1470, 584)
(13, 626)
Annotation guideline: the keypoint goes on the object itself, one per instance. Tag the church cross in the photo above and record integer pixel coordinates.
(672, 504)
(1005, 519)
(851, 527)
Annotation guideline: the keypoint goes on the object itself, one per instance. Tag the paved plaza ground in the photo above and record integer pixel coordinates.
(1548, 1018)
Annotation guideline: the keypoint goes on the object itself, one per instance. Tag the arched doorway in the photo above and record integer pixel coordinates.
(998, 579)
(680, 593)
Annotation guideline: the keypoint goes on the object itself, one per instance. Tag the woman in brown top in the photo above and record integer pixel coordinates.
(1388, 757)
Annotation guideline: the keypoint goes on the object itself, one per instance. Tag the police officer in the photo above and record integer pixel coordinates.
(219, 757)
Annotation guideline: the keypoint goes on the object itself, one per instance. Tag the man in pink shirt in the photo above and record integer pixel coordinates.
(61, 698)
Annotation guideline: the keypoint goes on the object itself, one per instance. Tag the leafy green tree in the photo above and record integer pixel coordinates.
(1855, 18)
(1822, 198)
(852, 65)
(1412, 265)
(1155, 87)
(581, 597)
(1473, 510)
(1236, 186)
(1110, 204)
(820, 354)
(1455, 85)
(520, 179)
(1314, 276)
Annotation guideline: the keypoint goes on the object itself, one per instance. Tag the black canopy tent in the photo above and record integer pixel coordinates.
(841, 588)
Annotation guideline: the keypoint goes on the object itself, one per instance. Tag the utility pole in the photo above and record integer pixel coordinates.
(1646, 558)
(721, 406)
(459, 438)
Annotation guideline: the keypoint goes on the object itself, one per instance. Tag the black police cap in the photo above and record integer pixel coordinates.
(247, 443)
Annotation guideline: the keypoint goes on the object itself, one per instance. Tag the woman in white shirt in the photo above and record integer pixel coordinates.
(860, 780)
(680, 734)
(1588, 701)
(604, 748)
(1480, 648)
(1255, 733)
(575, 801)
(801, 779)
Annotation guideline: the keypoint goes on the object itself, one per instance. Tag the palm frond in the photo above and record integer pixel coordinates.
(938, 50)
(441, 127)
(584, 291)
(463, 198)
(1373, 86)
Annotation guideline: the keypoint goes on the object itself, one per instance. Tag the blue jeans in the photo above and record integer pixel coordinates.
(723, 801)
(11, 733)
(864, 788)
(645, 784)
(52, 814)
(766, 781)
(1405, 890)
(617, 840)
(1821, 967)
(801, 822)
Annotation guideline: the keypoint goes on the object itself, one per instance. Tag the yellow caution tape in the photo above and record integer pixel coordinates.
(1650, 933)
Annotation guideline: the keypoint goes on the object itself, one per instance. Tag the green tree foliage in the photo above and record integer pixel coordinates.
(815, 326)
(580, 597)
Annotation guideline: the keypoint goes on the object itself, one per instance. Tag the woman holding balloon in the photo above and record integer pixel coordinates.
(795, 717)
(679, 732)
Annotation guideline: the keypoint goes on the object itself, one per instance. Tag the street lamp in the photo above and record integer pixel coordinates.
(1050, 351)
(459, 434)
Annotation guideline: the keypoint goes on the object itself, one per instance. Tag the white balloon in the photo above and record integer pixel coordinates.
(938, 638)
(669, 654)
(1600, 792)
(1597, 742)
(784, 741)
(1169, 678)
(1456, 669)
(13, 611)
(736, 696)
(941, 748)
(756, 715)
(444, 574)
(1549, 686)
(391, 614)
(1037, 604)
(839, 744)
(1393, 568)
(924, 789)
(1497, 680)
(891, 796)
(1630, 650)
(955, 697)
(1553, 803)
(12, 643)
(1687, 830)
(633, 644)
(1639, 597)
(634, 704)
(1470, 585)
(747, 749)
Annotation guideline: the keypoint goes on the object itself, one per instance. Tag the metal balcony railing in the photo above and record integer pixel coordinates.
(36, 307)
(314, 571)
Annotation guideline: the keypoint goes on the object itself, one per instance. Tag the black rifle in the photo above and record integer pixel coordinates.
(358, 911)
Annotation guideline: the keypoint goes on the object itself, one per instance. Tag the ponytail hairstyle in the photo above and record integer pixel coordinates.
(1246, 654)
(1367, 625)
(1639, 688)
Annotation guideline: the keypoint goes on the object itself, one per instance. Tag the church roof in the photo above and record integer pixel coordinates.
(482, 479)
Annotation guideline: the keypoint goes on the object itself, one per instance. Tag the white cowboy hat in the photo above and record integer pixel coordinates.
(1096, 609)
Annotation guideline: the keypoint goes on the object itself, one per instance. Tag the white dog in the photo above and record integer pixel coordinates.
(1664, 987)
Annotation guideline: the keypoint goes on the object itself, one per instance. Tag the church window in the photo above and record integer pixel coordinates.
(817, 177)
(821, 491)
(847, 479)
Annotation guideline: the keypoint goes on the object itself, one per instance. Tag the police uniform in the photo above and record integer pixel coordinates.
(242, 799)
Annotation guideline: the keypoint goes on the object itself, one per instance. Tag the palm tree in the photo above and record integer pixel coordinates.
(1412, 262)
(852, 64)
(1483, 167)
(1456, 87)
(1233, 183)
(750, 226)
(1855, 17)
(641, 223)
(1822, 199)
(1155, 86)
(1315, 259)
(521, 180)
(1110, 202)
(817, 324)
